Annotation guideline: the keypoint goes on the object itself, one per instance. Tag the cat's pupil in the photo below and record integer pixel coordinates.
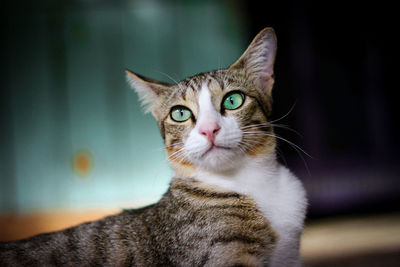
(231, 100)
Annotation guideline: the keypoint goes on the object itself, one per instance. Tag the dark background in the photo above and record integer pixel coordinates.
(336, 72)
(337, 65)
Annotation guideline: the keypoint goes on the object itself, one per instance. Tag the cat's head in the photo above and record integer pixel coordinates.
(216, 119)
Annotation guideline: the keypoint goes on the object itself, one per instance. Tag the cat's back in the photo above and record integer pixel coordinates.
(192, 225)
(111, 241)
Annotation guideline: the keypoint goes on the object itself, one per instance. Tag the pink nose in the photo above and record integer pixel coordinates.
(210, 130)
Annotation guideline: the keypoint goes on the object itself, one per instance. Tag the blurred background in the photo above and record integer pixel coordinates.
(75, 144)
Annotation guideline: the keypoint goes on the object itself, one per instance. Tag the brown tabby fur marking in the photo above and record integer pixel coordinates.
(192, 225)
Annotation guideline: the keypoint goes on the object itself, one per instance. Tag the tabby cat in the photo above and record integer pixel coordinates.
(230, 203)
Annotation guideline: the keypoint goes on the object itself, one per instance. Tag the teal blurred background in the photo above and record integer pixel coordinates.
(65, 95)
(73, 135)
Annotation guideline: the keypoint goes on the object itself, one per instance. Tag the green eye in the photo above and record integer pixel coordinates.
(180, 114)
(233, 100)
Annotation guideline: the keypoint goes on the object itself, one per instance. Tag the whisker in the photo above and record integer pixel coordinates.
(174, 145)
(259, 133)
(184, 157)
(254, 142)
(256, 125)
(176, 154)
(269, 125)
(168, 76)
(286, 128)
(281, 155)
(284, 116)
(301, 156)
(246, 147)
(172, 79)
(168, 147)
(241, 148)
(294, 146)
(291, 143)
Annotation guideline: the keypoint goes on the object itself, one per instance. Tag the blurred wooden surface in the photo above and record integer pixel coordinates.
(353, 241)
(345, 241)
(13, 226)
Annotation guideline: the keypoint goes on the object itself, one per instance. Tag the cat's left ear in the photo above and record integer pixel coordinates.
(148, 90)
(258, 60)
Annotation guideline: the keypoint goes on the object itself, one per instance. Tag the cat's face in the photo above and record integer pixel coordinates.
(212, 120)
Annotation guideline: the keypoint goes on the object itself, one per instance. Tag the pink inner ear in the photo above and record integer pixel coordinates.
(266, 83)
(267, 78)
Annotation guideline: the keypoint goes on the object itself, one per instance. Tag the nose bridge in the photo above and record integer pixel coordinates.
(207, 111)
(208, 116)
(208, 119)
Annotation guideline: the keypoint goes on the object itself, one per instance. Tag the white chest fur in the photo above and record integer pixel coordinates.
(279, 195)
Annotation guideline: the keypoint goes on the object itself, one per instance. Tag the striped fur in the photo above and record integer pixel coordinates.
(229, 204)
(192, 225)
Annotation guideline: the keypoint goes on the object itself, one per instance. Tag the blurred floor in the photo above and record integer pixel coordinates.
(353, 241)
(13, 226)
(346, 241)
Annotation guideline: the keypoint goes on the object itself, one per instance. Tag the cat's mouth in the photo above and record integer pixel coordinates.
(213, 148)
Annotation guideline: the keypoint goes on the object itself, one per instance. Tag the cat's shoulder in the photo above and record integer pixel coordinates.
(279, 194)
(290, 183)
(292, 195)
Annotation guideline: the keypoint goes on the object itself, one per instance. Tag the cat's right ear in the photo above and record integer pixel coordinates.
(148, 90)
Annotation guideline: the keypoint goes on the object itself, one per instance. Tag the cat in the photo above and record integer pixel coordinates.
(230, 203)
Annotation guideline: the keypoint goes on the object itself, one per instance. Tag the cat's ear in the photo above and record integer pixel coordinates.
(148, 90)
(258, 60)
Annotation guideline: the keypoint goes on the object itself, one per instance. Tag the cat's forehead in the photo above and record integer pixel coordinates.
(213, 80)
(217, 82)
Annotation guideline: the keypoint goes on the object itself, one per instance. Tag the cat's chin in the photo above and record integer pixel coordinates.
(215, 149)
(218, 158)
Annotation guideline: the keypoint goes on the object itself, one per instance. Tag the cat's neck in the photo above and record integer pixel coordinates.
(277, 192)
(248, 174)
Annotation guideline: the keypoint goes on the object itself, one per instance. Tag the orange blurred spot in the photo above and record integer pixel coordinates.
(82, 163)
